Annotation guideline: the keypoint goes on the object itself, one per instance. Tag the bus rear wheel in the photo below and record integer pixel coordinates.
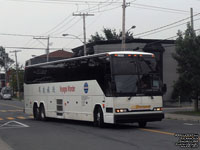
(36, 112)
(142, 124)
(98, 117)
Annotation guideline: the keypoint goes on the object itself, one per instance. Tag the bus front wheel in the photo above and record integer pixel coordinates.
(98, 117)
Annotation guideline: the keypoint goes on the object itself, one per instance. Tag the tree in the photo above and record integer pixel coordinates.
(109, 34)
(188, 58)
(13, 79)
(3, 56)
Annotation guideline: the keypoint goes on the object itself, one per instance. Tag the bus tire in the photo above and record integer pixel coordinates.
(36, 112)
(42, 113)
(142, 124)
(98, 117)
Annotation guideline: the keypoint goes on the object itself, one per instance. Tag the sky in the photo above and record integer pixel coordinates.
(23, 20)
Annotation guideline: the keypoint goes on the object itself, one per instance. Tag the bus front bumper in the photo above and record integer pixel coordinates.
(129, 118)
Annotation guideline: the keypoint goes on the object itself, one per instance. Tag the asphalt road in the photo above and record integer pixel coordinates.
(19, 131)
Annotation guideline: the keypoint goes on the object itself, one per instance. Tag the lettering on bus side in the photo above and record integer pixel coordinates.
(67, 89)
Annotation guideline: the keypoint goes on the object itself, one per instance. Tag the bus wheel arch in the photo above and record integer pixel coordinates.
(36, 111)
(98, 116)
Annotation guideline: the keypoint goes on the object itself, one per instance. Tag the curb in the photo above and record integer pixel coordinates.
(182, 117)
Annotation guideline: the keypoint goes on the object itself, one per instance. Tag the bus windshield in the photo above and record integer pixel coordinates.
(136, 75)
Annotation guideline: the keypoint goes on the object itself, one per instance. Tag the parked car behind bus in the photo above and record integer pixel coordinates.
(6, 93)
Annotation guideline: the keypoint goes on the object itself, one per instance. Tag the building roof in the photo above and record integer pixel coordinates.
(147, 41)
(58, 54)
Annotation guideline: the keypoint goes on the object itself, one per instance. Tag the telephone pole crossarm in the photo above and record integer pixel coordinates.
(84, 28)
(47, 49)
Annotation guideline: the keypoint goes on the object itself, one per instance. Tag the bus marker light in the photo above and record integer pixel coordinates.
(140, 55)
(158, 109)
(129, 55)
(116, 55)
(135, 55)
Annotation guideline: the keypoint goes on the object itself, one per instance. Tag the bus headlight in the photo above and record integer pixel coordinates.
(120, 110)
(158, 109)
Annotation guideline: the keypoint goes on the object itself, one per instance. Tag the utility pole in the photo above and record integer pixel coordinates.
(47, 50)
(6, 67)
(192, 21)
(124, 24)
(17, 73)
(84, 29)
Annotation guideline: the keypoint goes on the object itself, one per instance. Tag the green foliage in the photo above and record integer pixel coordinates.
(13, 79)
(109, 34)
(188, 58)
(3, 53)
(96, 37)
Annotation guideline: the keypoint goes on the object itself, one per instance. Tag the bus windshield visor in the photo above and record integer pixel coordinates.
(136, 75)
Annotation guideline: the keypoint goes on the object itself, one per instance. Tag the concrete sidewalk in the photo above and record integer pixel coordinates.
(182, 117)
(4, 146)
(170, 114)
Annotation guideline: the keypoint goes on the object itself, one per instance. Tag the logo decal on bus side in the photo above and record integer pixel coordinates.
(67, 89)
(86, 87)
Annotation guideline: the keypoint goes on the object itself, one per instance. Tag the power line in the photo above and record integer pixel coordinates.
(140, 7)
(61, 24)
(72, 25)
(152, 30)
(172, 37)
(65, 2)
(166, 28)
(31, 48)
(158, 7)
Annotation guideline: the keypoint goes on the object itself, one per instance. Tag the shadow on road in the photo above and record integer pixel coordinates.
(90, 124)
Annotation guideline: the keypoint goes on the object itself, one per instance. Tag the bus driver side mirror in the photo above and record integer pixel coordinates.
(164, 88)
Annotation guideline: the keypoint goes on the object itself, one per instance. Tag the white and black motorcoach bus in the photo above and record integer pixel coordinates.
(112, 87)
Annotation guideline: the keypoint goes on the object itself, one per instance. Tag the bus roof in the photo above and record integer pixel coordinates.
(129, 52)
(90, 56)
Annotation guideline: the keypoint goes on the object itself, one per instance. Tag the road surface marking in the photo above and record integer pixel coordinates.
(30, 117)
(13, 124)
(15, 110)
(188, 124)
(11, 106)
(3, 111)
(10, 118)
(20, 117)
(157, 131)
(18, 110)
